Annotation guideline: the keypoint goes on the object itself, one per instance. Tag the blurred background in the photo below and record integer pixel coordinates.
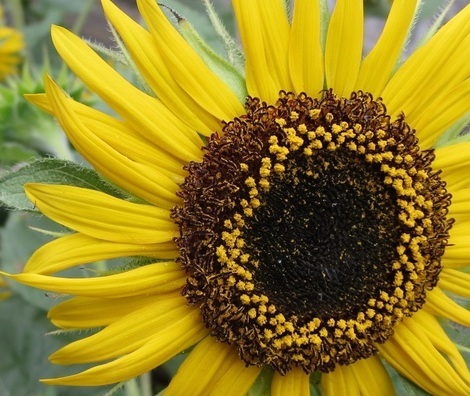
(26, 336)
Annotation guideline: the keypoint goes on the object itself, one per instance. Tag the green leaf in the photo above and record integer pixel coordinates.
(216, 63)
(25, 347)
(19, 242)
(49, 171)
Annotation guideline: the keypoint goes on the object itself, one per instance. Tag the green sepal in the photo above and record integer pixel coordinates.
(315, 383)
(427, 9)
(378, 8)
(234, 53)
(49, 171)
(220, 66)
(262, 385)
(324, 22)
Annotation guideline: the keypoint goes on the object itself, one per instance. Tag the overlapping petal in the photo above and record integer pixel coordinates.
(294, 383)
(142, 180)
(187, 67)
(146, 54)
(378, 65)
(366, 377)
(149, 279)
(179, 335)
(343, 52)
(260, 80)
(413, 354)
(99, 215)
(457, 253)
(441, 62)
(306, 65)
(438, 303)
(148, 115)
(127, 334)
(94, 312)
(212, 368)
(454, 161)
(78, 249)
(455, 281)
(442, 113)
(119, 136)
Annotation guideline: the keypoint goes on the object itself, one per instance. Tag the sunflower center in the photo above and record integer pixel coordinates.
(310, 229)
(323, 235)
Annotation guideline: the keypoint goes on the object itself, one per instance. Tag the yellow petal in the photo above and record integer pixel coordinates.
(187, 68)
(275, 30)
(213, 368)
(454, 161)
(119, 136)
(378, 65)
(305, 53)
(145, 53)
(457, 254)
(78, 249)
(177, 337)
(148, 115)
(441, 113)
(455, 281)
(144, 181)
(429, 325)
(294, 383)
(339, 382)
(343, 52)
(91, 312)
(235, 378)
(412, 354)
(102, 216)
(371, 377)
(127, 334)
(366, 377)
(439, 304)
(152, 278)
(259, 81)
(460, 207)
(441, 62)
(198, 370)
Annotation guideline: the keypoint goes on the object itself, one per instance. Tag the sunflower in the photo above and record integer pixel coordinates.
(304, 224)
(11, 44)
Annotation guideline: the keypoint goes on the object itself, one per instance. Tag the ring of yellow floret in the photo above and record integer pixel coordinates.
(223, 194)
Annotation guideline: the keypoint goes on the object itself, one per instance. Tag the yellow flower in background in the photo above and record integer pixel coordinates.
(312, 228)
(4, 290)
(11, 44)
